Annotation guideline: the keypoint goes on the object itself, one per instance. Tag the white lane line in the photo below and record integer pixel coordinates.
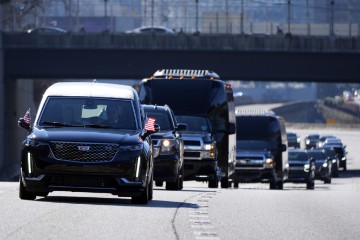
(202, 227)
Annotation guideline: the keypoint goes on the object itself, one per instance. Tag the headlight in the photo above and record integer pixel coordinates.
(269, 162)
(137, 147)
(209, 147)
(167, 145)
(307, 141)
(325, 164)
(306, 167)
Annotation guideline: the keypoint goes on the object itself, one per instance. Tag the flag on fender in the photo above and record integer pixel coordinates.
(150, 124)
(27, 119)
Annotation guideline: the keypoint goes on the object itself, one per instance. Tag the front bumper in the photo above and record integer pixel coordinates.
(200, 170)
(253, 175)
(166, 168)
(298, 175)
(84, 183)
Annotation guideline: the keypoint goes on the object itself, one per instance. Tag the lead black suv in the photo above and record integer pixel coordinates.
(168, 147)
(88, 137)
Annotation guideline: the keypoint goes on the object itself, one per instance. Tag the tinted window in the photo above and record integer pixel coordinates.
(162, 118)
(298, 156)
(252, 145)
(317, 155)
(259, 128)
(89, 111)
(194, 123)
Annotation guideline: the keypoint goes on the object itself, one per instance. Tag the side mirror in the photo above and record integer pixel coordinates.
(181, 127)
(283, 147)
(23, 124)
(231, 128)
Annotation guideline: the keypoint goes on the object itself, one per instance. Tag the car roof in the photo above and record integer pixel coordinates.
(91, 89)
(47, 29)
(156, 107)
(139, 29)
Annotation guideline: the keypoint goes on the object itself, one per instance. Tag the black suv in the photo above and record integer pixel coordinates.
(301, 168)
(88, 137)
(261, 148)
(168, 147)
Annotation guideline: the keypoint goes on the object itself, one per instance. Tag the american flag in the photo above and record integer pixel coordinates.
(150, 124)
(27, 117)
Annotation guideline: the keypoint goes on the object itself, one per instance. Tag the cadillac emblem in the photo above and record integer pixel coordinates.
(84, 148)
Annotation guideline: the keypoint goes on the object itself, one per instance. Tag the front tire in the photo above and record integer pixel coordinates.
(146, 196)
(214, 182)
(224, 182)
(23, 194)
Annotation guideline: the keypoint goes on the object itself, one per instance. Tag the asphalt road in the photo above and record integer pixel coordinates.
(331, 211)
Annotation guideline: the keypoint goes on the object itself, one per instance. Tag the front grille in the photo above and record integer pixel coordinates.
(82, 181)
(192, 154)
(155, 142)
(84, 152)
(250, 161)
(192, 143)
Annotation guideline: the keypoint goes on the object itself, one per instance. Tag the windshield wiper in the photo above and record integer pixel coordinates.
(60, 124)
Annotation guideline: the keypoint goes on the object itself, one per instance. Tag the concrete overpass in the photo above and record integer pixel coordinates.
(25, 56)
(231, 56)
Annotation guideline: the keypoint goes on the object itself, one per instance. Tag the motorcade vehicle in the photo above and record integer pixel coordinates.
(105, 148)
(152, 30)
(336, 144)
(323, 165)
(334, 156)
(301, 168)
(328, 140)
(200, 145)
(168, 147)
(311, 141)
(267, 163)
(200, 99)
(293, 140)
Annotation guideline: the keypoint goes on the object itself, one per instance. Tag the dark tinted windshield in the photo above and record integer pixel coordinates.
(162, 118)
(298, 156)
(114, 113)
(317, 155)
(252, 145)
(257, 128)
(194, 123)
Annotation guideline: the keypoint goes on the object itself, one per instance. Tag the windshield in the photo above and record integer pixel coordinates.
(317, 155)
(162, 118)
(194, 123)
(298, 156)
(88, 112)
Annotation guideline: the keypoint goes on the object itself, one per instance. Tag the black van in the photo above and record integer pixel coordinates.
(206, 104)
(261, 154)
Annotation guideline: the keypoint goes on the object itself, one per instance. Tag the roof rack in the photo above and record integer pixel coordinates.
(254, 112)
(185, 73)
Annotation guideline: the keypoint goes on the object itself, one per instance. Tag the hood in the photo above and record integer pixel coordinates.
(206, 137)
(94, 135)
(161, 135)
(249, 152)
